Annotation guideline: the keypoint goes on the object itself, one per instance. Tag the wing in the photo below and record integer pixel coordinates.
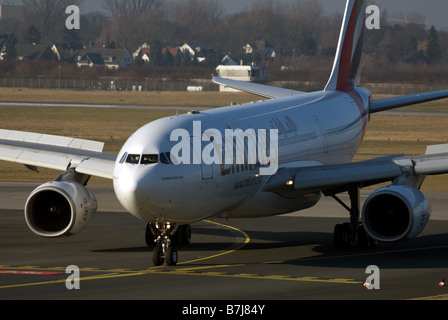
(397, 102)
(257, 89)
(337, 178)
(56, 152)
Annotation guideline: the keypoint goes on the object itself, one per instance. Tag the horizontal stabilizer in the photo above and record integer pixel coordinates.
(397, 102)
(257, 89)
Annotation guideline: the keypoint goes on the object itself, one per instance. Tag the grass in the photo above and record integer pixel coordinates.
(386, 134)
(194, 99)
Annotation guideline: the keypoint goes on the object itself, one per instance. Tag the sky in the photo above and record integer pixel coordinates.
(435, 11)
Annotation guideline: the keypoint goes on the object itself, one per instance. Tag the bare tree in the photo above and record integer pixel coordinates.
(131, 19)
(47, 15)
(196, 20)
(120, 8)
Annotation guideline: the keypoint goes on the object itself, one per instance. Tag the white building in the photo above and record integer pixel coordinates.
(242, 73)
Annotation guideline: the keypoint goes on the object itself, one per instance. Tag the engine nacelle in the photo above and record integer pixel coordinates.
(59, 208)
(394, 213)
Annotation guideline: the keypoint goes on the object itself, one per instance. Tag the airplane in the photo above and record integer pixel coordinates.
(313, 139)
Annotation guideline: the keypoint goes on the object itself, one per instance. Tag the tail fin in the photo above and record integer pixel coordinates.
(349, 52)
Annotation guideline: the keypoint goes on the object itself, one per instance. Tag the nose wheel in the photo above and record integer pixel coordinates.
(163, 254)
(164, 250)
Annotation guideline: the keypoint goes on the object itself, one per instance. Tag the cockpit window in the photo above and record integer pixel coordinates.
(150, 159)
(124, 157)
(147, 159)
(133, 159)
(165, 158)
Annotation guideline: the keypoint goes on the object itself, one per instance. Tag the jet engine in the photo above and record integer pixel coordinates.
(59, 208)
(394, 213)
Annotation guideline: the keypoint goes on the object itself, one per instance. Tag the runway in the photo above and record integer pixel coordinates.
(394, 113)
(277, 258)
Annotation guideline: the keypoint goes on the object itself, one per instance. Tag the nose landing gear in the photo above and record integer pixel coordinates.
(164, 251)
(166, 237)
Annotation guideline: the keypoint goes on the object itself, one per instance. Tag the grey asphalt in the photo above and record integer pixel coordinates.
(277, 258)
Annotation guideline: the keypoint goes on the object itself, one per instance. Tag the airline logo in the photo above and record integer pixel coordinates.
(350, 47)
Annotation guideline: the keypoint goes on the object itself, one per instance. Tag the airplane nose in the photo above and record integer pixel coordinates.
(133, 190)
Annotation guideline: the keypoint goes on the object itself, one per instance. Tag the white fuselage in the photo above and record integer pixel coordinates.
(314, 128)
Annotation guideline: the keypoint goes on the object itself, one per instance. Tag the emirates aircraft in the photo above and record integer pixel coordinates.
(259, 159)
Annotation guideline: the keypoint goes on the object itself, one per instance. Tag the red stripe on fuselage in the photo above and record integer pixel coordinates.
(362, 108)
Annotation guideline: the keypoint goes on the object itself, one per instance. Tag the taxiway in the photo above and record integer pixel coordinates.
(278, 258)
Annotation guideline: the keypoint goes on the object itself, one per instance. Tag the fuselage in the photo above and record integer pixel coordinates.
(314, 128)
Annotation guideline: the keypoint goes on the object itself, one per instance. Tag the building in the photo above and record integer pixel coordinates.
(197, 52)
(242, 73)
(104, 57)
(35, 52)
(143, 53)
(264, 49)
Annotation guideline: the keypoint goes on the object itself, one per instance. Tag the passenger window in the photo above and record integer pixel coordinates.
(133, 159)
(150, 159)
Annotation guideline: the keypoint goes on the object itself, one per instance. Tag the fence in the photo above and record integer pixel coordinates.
(108, 84)
(150, 84)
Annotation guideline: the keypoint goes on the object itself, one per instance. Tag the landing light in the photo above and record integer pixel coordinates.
(290, 182)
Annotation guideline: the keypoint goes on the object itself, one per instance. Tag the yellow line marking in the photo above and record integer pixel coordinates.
(246, 241)
(211, 267)
(196, 271)
(130, 272)
(261, 277)
(438, 297)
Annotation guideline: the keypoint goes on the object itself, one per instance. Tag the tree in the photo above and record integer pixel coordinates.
(49, 15)
(433, 51)
(10, 52)
(32, 35)
(195, 20)
(132, 20)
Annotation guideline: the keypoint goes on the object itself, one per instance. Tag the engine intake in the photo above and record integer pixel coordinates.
(59, 208)
(395, 213)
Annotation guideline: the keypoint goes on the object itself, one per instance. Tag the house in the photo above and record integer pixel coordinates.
(143, 53)
(104, 57)
(2, 48)
(264, 49)
(35, 52)
(228, 61)
(198, 52)
(190, 50)
(173, 51)
(89, 59)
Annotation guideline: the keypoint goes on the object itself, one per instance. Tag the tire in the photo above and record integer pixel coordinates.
(171, 256)
(341, 236)
(157, 256)
(364, 240)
